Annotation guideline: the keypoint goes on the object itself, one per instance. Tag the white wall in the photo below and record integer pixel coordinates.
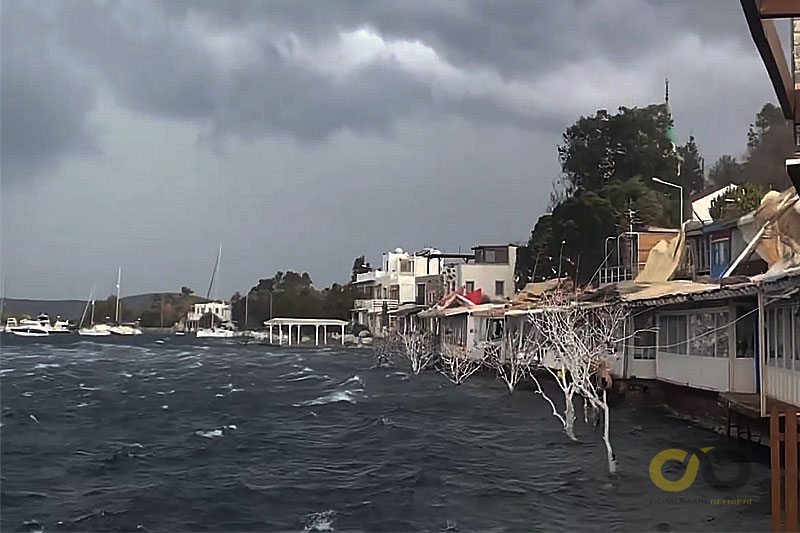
(710, 373)
(484, 276)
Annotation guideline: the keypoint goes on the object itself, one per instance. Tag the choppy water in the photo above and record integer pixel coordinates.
(184, 437)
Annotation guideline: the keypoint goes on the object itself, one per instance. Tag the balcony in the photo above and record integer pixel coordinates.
(613, 275)
(376, 305)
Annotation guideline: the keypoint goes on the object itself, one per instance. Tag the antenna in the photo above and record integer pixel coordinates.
(666, 91)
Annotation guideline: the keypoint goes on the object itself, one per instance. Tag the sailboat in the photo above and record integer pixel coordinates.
(117, 328)
(94, 330)
(224, 330)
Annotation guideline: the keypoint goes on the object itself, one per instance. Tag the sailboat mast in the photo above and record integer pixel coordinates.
(3, 299)
(116, 311)
(211, 283)
(85, 309)
(246, 301)
(92, 324)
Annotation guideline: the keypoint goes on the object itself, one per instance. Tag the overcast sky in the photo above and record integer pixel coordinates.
(300, 134)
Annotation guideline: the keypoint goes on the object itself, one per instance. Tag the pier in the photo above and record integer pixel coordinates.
(299, 323)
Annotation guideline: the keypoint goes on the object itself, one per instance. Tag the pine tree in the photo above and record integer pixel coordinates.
(692, 166)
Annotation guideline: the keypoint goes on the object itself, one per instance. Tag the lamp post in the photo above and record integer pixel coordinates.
(659, 180)
(535, 264)
(560, 254)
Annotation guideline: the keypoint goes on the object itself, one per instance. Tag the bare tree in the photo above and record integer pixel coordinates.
(420, 349)
(508, 358)
(387, 349)
(574, 343)
(457, 364)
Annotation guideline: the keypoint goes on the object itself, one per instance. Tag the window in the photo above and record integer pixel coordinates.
(406, 266)
(783, 336)
(796, 326)
(721, 334)
(672, 334)
(469, 286)
(746, 326)
(498, 287)
(644, 336)
(420, 299)
(721, 252)
(497, 255)
(703, 341)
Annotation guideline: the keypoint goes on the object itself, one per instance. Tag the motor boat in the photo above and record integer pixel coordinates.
(60, 326)
(11, 323)
(28, 327)
(30, 331)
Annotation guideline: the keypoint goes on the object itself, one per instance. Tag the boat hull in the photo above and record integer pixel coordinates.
(215, 334)
(30, 332)
(125, 331)
(90, 333)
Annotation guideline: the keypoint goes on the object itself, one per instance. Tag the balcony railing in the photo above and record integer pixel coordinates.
(376, 305)
(614, 274)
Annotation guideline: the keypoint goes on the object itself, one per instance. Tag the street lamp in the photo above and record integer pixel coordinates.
(560, 253)
(659, 180)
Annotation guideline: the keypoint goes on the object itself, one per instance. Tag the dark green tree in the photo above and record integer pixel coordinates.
(692, 167)
(769, 142)
(603, 148)
(737, 202)
(726, 170)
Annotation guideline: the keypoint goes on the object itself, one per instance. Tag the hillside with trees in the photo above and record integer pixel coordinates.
(607, 164)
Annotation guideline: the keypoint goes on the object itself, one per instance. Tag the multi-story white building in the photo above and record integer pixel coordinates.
(423, 278)
(402, 279)
(221, 311)
(492, 270)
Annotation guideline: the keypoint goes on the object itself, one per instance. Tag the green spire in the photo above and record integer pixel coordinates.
(671, 126)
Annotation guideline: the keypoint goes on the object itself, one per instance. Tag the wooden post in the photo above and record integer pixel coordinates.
(775, 466)
(790, 476)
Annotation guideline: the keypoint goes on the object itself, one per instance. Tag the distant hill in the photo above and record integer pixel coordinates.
(73, 309)
(66, 309)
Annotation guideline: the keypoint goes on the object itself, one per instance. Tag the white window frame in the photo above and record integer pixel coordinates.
(787, 315)
(716, 310)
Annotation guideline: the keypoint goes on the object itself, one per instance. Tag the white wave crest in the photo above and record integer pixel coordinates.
(333, 397)
(210, 434)
(322, 521)
(354, 379)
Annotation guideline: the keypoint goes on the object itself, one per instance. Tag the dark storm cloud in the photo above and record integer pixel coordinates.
(510, 36)
(43, 105)
(158, 57)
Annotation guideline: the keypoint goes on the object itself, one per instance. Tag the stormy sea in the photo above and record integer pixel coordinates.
(168, 434)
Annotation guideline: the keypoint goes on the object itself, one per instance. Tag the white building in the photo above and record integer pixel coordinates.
(221, 311)
(403, 278)
(492, 270)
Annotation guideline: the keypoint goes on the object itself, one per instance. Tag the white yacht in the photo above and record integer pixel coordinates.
(94, 330)
(222, 331)
(225, 330)
(125, 329)
(60, 326)
(28, 327)
(118, 328)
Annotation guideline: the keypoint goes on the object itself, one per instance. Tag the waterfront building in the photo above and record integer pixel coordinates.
(219, 310)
